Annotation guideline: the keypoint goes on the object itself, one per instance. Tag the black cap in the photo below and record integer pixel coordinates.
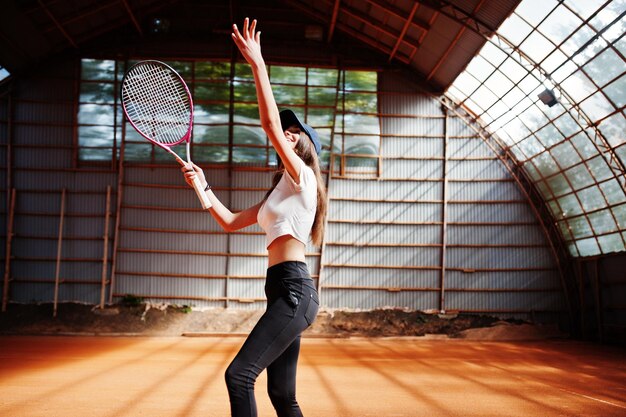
(288, 118)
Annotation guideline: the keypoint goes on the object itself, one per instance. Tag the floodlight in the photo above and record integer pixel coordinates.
(547, 97)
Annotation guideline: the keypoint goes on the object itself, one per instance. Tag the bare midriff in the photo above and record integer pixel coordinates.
(285, 248)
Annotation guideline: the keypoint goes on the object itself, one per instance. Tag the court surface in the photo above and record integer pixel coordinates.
(179, 376)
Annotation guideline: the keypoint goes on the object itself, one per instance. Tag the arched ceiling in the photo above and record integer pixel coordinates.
(493, 58)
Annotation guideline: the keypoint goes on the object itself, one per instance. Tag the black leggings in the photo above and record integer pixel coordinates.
(274, 343)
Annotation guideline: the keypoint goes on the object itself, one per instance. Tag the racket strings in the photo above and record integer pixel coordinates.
(160, 101)
(157, 103)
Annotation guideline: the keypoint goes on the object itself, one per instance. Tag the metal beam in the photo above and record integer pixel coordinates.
(333, 21)
(455, 13)
(605, 149)
(7, 253)
(404, 30)
(132, 17)
(375, 24)
(57, 24)
(399, 13)
(363, 18)
(452, 44)
(374, 43)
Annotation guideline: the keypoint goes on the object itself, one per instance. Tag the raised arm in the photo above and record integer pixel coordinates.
(227, 219)
(249, 43)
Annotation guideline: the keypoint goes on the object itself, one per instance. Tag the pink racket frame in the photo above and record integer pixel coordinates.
(187, 136)
(206, 204)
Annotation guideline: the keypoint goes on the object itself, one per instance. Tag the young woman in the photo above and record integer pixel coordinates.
(293, 209)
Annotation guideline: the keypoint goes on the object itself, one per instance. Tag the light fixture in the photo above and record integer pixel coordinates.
(314, 32)
(547, 97)
(160, 25)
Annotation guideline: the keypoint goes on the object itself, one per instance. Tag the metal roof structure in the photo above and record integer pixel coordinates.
(570, 52)
(430, 37)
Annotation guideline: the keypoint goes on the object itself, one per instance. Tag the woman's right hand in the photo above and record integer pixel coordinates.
(191, 171)
(248, 41)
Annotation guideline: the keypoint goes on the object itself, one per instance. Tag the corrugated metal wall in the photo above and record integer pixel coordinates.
(4, 195)
(384, 244)
(602, 290)
(170, 251)
(387, 236)
(42, 134)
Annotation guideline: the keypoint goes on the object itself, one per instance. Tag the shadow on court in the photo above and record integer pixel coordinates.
(176, 376)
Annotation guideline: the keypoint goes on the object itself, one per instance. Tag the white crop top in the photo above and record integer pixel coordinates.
(290, 208)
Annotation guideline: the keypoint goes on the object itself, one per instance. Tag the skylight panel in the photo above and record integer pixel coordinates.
(537, 47)
(560, 89)
(534, 11)
(515, 29)
(499, 84)
(4, 73)
(597, 106)
(559, 25)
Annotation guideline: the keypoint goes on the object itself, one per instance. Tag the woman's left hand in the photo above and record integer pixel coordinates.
(248, 41)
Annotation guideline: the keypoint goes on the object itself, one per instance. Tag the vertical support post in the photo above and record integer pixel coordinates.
(9, 199)
(118, 212)
(7, 256)
(231, 139)
(117, 105)
(59, 249)
(105, 255)
(444, 211)
(9, 153)
(342, 165)
(75, 141)
(331, 162)
(379, 168)
(581, 296)
(595, 281)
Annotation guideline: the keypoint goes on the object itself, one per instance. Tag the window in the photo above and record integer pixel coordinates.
(98, 113)
(4, 73)
(357, 139)
(327, 99)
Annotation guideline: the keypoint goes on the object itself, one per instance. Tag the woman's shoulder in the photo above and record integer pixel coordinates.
(307, 177)
(307, 173)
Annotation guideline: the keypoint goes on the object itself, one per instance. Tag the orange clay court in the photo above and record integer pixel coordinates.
(181, 376)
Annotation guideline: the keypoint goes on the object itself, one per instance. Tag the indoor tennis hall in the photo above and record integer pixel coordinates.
(473, 254)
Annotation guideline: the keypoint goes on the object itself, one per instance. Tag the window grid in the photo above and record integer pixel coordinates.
(574, 190)
(218, 91)
(354, 157)
(554, 199)
(588, 112)
(570, 109)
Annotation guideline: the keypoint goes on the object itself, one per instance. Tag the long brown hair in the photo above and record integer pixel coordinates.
(306, 151)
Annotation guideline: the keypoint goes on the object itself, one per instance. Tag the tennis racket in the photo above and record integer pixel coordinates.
(158, 104)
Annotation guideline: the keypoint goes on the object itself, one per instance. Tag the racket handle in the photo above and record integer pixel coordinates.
(204, 199)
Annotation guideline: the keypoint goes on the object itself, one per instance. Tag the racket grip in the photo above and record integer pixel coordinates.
(204, 199)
